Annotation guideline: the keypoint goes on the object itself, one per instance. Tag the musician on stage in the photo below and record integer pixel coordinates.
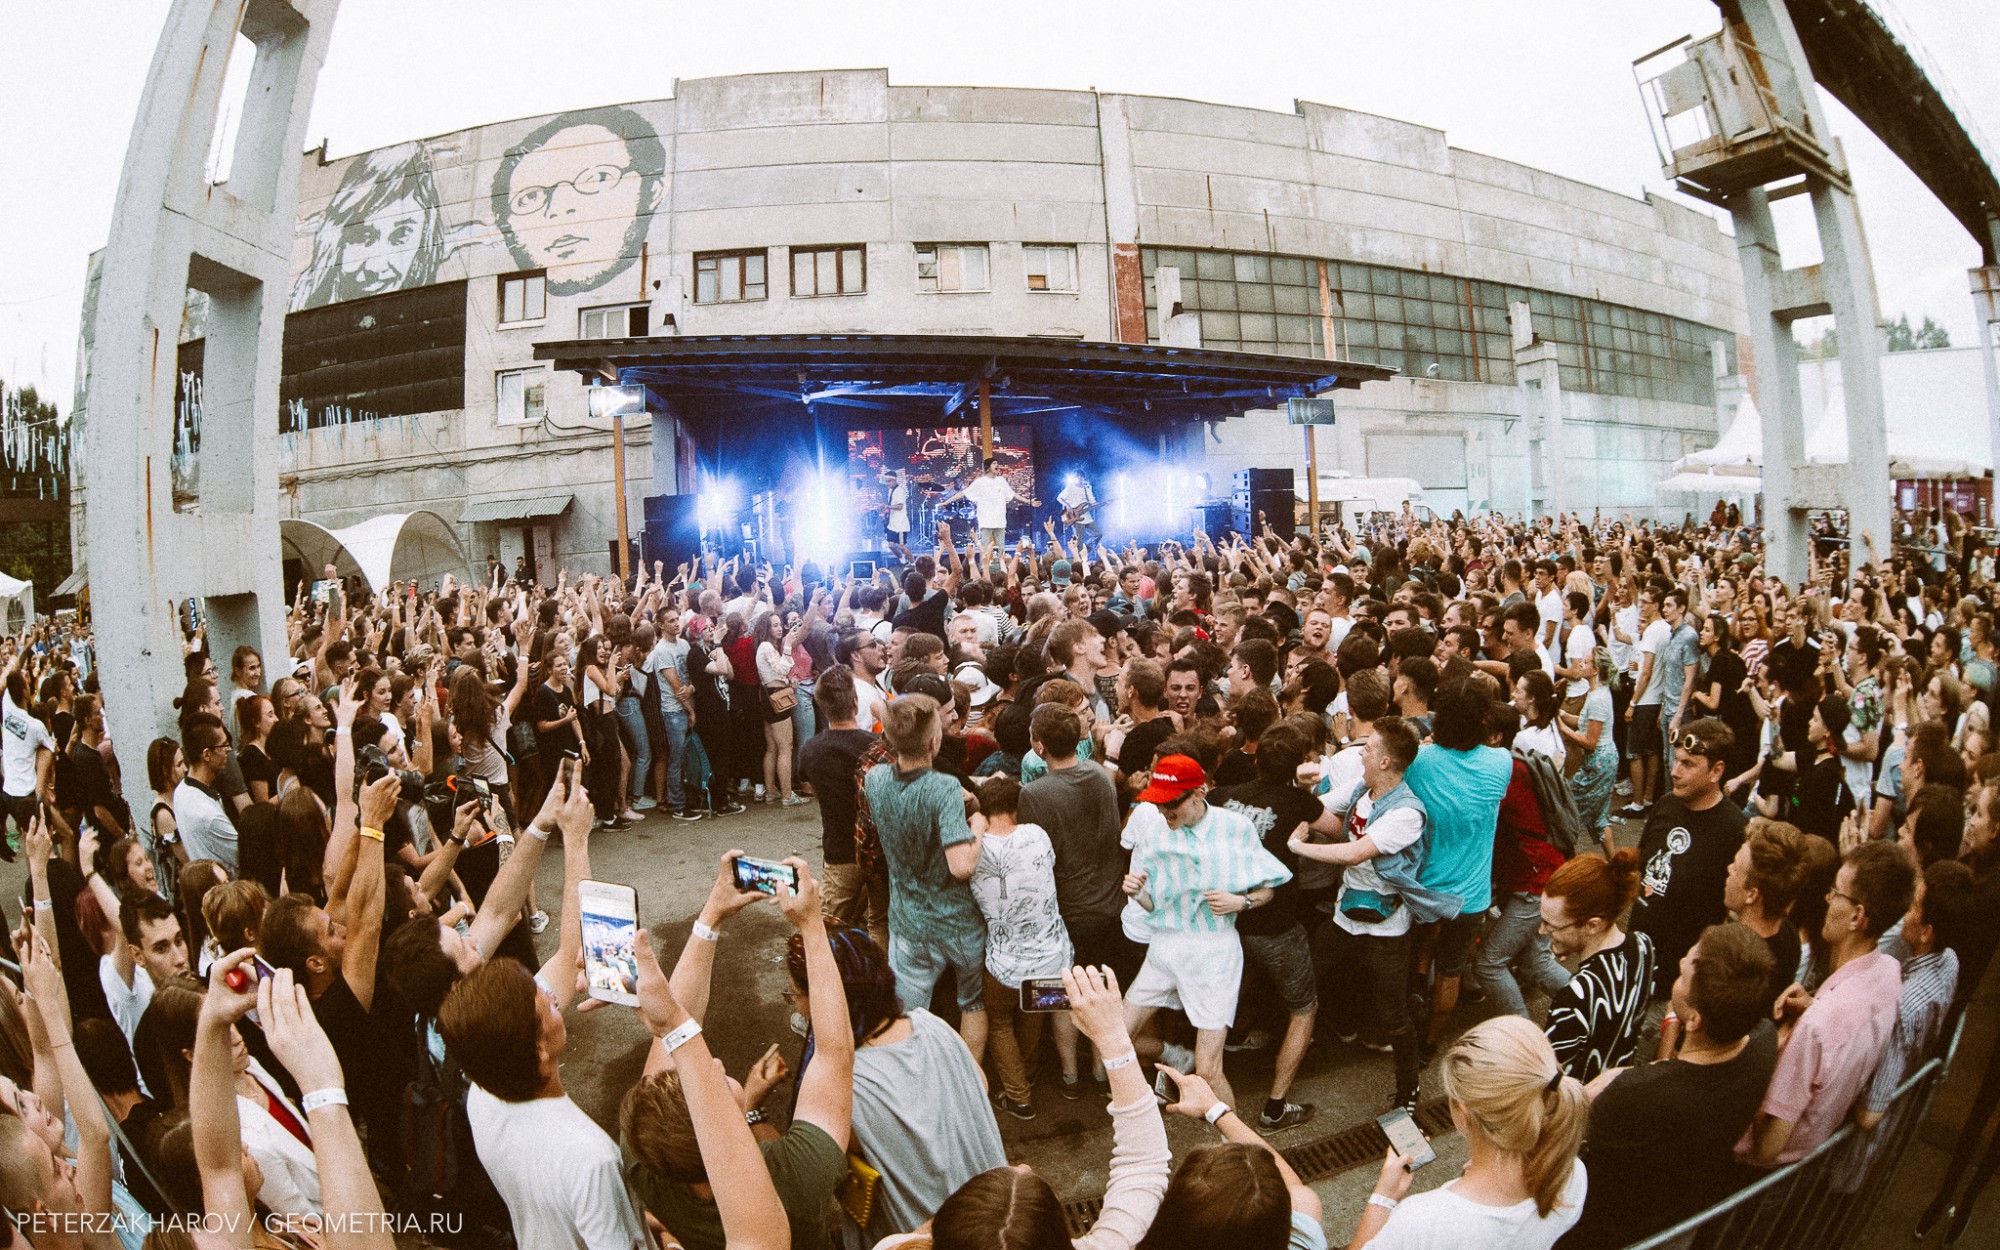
(1079, 505)
(990, 494)
(898, 482)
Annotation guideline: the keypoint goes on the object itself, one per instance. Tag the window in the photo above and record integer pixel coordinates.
(728, 277)
(521, 395)
(618, 321)
(524, 297)
(951, 267)
(839, 270)
(1051, 266)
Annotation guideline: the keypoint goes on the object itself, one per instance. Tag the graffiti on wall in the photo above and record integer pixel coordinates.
(574, 197)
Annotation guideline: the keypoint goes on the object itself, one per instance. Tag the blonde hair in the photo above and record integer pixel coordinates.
(1505, 1075)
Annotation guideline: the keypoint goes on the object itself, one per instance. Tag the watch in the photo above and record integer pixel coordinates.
(755, 1116)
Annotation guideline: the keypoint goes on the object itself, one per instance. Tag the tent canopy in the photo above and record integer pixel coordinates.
(1741, 445)
(1727, 485)
(397, 546)
(17, 602)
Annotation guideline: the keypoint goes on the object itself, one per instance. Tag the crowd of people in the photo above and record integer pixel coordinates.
(1093, 821)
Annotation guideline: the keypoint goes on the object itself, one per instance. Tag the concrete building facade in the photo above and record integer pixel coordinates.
(425, 273)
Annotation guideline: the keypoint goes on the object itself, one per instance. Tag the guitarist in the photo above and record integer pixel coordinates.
(1079, 504)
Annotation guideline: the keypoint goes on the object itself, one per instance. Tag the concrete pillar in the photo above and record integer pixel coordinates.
(1777, 355)
(1538, 372)
(171, 230)
(1986, 317)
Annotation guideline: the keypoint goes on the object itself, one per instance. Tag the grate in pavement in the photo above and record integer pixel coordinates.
(1357, 1145)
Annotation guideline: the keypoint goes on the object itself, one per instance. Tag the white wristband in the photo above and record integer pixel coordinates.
(1122, 1061)
(332, 1095)
(540, 833)
(1216, 1112)
(343, 731)
(1384, 1201)
(681, 1036)
(705, 933)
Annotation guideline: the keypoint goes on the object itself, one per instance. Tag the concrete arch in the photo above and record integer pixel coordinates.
(396, 546)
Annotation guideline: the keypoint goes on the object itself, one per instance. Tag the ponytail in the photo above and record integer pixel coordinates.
(1593, 887)
(1504, 1074)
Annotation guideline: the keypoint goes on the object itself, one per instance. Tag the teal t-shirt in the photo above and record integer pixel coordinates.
(1462, 791)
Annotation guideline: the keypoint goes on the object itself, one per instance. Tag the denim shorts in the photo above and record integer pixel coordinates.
(919, 964)
(1286, 958)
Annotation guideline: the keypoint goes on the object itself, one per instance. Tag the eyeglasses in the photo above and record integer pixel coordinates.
(595, 180)
(1553, 929)
(1834, 894)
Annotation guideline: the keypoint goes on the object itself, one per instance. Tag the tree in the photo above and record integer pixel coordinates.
(1926, 336)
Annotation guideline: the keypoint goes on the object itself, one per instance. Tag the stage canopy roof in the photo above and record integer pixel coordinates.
(886, 380)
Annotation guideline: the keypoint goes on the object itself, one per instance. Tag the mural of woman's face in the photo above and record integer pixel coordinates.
(572, 202)
(375, 254)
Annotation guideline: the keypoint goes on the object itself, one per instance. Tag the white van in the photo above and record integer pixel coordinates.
(1352, 501)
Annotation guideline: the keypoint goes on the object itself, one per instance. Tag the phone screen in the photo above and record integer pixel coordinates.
(763, 875)
(1044, 994)
(1405, 1137)
(610, 940)
(264, 970)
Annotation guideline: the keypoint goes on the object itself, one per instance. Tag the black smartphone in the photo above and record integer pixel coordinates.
(1040, 994)
(1405, 1137)
(763, 875)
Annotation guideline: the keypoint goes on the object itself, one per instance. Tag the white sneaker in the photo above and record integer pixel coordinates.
(645, 803)
(1178, 1057)
(760, 794)
(1623, 787)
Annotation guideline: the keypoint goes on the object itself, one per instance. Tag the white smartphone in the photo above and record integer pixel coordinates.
(610, 940)
(1405, 1138)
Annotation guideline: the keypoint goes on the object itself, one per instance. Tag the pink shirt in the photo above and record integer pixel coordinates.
(1834, 1050)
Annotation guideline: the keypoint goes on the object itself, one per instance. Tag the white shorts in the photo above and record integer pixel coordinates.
(1198, 973)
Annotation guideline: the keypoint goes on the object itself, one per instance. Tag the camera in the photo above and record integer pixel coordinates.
(442, 799)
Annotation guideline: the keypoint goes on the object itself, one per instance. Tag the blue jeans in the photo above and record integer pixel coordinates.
(805, 720)
(1085, 537)
(676, 718)
(1517, 936)
(637, 741)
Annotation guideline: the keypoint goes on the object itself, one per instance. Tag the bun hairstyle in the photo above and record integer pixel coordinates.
(1503, 1075)
(1594, 887)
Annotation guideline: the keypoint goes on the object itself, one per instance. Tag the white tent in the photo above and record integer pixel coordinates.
(1727, 485)
(1912, 451)
(16, 596)
(400, 546)
(1741, 445)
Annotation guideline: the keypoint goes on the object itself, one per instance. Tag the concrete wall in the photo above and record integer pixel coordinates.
(773, 161)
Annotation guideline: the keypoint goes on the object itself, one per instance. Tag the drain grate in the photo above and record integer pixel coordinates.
(1358, 1145)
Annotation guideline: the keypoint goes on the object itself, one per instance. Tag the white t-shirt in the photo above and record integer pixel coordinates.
(1548, 740)
(990, 497)
(1396, 832)
(1625, 655)
(127, 1004)
(1652, 642)
(558, 1171)
(1015, 887)
(205, 829)
(21, 736)
(1441, 1220)
(1578, 649)
(1141, 827)
(1550, 608)
(899, 508)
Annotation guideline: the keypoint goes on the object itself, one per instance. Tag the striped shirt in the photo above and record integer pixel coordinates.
(1221, 852)
(1929, 981)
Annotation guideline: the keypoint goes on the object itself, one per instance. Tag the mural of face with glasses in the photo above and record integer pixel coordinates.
(577, 195)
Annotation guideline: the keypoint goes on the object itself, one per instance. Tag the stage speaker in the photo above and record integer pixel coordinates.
(1268, 491)
(1216, 516)
(673, 531)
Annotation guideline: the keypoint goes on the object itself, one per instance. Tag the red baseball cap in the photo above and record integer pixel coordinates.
(1173, 776)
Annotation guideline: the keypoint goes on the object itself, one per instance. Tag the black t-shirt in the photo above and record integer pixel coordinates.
(1822, 799)
(1135, 754)
(1661, 1142)
(708, 704)
(374, 1054)
(1784, 945)
(1238, 768)
(1274, 809)
(1683, 858)
(90, 783)
(257, 766)
(139, 1126)
(926, 617)
(1791, 666)
(552, 704)
(829, 759)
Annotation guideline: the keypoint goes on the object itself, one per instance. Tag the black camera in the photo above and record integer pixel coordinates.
(442, 799)
(371, 764)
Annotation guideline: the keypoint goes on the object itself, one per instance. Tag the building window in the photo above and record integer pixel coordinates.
(951, 267)
(618, 321)
(829, 270)
(522, 396)
(728, 277)
(1051, 266)
(524, 297)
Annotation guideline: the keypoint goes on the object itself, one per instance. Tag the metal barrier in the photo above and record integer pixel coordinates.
(1825, 1200)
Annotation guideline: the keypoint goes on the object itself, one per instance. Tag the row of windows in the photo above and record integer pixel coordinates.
(1429, 325)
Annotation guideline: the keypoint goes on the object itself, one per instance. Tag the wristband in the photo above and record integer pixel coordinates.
(1384, 1201)
(1122, 1061)
(539, 833)
(705, 933)
(331, 1096)
(44, 904)
(373, 835)
(343, 731)
(1216, 1112)
(754, 1116)
(684, 1033)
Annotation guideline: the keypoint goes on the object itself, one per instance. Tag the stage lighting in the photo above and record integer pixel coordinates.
(824, 524)
(716, 505)
(617, 401)
(1071, 480)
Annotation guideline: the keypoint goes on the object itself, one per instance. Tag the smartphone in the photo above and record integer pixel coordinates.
(610, 940)
(1405, 1137)
(264, 970)
(1044, 994)
(1164, 1087)
(568, 771)
(763, 875)
(861, 570)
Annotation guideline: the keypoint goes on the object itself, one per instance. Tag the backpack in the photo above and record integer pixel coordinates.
(1559, 815)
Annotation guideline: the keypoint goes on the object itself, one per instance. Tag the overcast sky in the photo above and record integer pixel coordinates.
(1547, 83)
